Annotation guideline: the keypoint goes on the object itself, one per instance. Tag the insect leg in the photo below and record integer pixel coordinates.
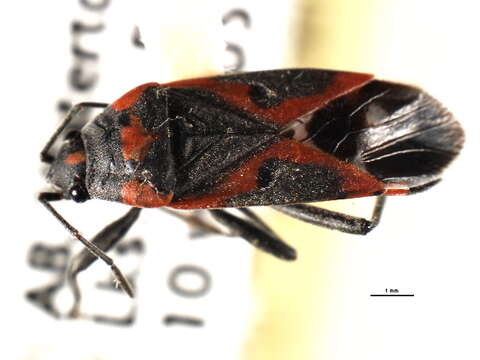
(256, 233)
(256, 219)
(47, 197)
(104, 240)
(44, 155)
(195, 221)
(334, 220)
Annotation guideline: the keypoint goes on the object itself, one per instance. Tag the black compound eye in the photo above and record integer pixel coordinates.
(78, 193)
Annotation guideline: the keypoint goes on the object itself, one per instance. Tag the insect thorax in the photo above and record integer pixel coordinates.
(127, 153)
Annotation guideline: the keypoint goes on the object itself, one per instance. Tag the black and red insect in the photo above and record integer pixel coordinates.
(282, 138)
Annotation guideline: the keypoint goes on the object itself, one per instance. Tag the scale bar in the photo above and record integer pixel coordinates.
(392, 294)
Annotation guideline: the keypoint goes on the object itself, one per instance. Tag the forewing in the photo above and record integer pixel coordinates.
(279, 96)
(285, 172)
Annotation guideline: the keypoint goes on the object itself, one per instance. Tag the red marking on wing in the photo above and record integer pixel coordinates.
(356, 182)
(137, 194)
(135, 140)
(75, 158)
(397, 191)
(238, 95)
(131, 97)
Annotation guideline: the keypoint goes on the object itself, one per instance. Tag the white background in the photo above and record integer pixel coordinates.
(439, 263)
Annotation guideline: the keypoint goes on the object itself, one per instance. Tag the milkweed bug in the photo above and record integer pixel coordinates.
(282, 138)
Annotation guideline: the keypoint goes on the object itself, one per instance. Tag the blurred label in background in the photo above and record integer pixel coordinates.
(194, 296)
(214, 297)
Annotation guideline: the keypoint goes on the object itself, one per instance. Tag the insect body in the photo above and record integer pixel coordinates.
(283, 138)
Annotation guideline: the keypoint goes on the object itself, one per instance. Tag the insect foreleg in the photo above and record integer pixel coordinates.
(104, 240)
(45, 198)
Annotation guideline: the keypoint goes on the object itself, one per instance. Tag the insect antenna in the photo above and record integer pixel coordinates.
(44, 155)
(45, 198)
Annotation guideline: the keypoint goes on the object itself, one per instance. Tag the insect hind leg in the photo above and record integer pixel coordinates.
(335, 220)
